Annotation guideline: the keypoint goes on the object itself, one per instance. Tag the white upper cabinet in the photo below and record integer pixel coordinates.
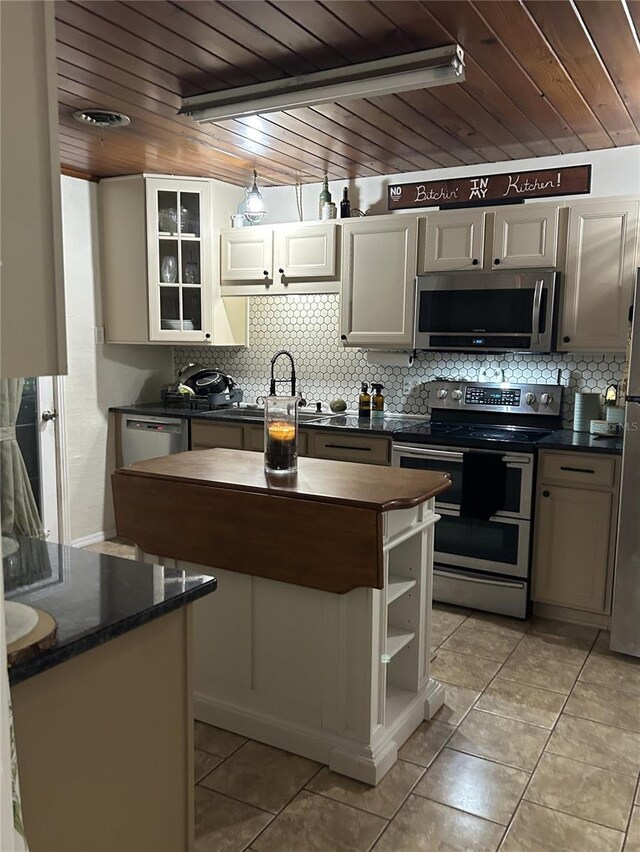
(179, 249)
(32, 331)
(525, 236)
(159, 264)
(601, 266)
(451, 240)
(378, 281)
(518, 237)
(279, 259)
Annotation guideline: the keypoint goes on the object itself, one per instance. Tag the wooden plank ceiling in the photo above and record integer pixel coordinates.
(542, 77)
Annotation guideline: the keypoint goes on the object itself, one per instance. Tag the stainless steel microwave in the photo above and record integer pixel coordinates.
(506, 311)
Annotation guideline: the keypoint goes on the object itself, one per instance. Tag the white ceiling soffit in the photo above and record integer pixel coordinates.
(411, 71)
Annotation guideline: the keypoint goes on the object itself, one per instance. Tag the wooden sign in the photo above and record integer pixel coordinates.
(497, 189)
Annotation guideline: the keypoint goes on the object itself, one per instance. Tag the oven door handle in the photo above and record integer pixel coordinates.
(454, 456)
(436, 454)
(467, 579)
(537, 305)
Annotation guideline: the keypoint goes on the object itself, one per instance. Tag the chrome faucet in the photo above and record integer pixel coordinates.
(292, 376)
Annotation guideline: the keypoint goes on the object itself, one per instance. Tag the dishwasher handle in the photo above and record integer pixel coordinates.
(155, 424)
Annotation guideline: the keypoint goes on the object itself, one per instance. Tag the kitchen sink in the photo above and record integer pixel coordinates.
(256, 413)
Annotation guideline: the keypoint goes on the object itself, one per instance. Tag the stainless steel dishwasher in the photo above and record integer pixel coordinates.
(147, 437)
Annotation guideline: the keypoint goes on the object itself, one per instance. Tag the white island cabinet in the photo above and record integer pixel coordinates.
(317, 641)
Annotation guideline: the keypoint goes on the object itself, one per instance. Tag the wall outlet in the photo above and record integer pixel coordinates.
(98, 334)
(409, 385)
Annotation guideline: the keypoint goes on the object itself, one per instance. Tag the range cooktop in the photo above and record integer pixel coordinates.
(471, 435)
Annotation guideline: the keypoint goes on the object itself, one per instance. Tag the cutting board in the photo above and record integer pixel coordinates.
(42, 636)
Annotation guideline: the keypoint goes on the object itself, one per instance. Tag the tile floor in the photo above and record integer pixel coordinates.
(537, 749)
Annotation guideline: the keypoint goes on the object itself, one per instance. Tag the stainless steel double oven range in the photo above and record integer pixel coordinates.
(483, 435)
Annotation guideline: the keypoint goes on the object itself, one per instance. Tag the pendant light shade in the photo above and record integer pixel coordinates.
(254, 209)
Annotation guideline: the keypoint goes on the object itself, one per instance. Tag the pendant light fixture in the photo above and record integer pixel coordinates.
(254, 209)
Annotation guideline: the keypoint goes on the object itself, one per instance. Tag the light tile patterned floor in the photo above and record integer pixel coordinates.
(537, 749)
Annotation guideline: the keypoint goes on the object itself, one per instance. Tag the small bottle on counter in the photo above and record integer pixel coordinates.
(345, 204)
(377, 401)
(364, 402)
(325, 196)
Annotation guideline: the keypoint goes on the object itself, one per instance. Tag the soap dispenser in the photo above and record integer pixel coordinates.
(364, 402)
(377, 401)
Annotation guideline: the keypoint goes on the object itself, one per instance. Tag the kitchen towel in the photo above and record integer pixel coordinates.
(484, 482)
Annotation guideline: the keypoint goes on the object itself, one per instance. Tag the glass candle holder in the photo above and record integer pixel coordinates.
(281, 434)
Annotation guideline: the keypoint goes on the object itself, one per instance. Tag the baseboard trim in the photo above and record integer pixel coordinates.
(364, 761)
(103, 535)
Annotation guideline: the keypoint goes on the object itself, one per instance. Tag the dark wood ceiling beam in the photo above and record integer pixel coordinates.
(564, 30)
(612, 35)
(232, 61)
(336, 123)
(87, 21)
(419, 23)
(511, 21)
(133, 152)
(332, 148)
(221, 19)
(272, 21)
(93, 48)
(488, 52)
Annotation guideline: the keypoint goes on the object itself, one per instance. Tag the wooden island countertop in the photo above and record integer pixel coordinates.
(322, 527)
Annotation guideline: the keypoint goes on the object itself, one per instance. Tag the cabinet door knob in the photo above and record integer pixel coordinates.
(566, 339)
(265, 272)
(546, 494)
(475, 261)
(343, 337)
(207, 336)
(281, 271)
(50, 415)
(496, 261)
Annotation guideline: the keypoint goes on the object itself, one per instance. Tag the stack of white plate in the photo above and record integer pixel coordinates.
(587, 408)
(173, 324)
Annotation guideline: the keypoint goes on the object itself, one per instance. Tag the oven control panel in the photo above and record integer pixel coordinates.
(505, 397)
(492, 396)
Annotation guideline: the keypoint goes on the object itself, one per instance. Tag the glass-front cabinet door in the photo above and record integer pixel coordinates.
(180, 263)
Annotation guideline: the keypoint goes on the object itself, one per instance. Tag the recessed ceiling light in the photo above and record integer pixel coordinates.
(101, 118)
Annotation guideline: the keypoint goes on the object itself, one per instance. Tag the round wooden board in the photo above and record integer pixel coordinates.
(43, 636)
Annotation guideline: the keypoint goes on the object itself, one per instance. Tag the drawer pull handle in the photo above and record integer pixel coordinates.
(578, 469)
(342, 447)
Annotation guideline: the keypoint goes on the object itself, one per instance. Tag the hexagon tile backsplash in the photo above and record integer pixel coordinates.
(309, 327)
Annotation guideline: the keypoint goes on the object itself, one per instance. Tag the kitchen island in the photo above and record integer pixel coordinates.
(103, 715)
(317, 641)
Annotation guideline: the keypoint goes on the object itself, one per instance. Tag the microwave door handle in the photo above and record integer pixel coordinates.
(537, 304)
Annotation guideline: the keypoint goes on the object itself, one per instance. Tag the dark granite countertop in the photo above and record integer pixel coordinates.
(349, 422)
(567, 439)
(93, 597)
(563, 439)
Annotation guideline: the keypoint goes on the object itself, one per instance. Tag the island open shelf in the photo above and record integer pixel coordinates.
(341, 677)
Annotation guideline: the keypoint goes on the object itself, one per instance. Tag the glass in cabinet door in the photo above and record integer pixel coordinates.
(191, 309)
(167, 213)
(190, 214)
(170, 308)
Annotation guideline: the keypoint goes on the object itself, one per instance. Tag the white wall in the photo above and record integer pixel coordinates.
(615, 172)
(99, 375)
